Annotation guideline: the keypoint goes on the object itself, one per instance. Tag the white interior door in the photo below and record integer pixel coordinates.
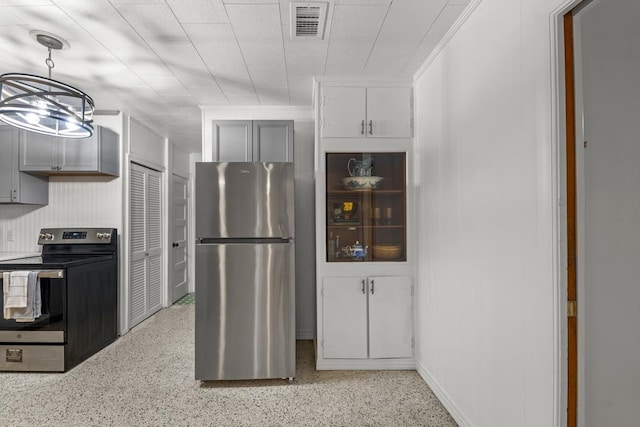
(609, 289)
(179, 249)
(145, 281)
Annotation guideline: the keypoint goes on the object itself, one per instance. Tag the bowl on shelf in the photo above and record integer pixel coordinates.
(387, 251)
(361, 182)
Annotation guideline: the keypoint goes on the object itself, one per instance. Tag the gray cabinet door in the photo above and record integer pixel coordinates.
(253, 141)
(8, 160)
(233, 140)
(38, 153)
(273, 141)
(78, 154)
(16, 186)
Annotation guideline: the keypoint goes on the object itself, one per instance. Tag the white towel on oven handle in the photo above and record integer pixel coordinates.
(34, 300)
(15, 289)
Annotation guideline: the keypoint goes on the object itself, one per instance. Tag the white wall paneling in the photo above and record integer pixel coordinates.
(489, 277)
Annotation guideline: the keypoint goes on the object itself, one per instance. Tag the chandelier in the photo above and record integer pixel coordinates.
(43, 105)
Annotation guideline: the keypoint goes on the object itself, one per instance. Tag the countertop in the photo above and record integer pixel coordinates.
(5, 256)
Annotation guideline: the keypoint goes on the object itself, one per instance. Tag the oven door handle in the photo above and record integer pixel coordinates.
(43, 274)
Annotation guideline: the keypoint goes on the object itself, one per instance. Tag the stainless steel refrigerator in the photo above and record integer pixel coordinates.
(245, 281)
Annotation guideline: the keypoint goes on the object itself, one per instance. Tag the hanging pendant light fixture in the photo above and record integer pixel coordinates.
(43, 105)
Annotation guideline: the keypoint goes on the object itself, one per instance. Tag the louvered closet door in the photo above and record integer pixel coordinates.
(145, 284)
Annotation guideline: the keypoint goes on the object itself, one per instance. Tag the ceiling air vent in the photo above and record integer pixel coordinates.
(308, 19)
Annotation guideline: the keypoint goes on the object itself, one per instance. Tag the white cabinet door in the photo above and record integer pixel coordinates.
(343, 112)
(389, 112)
(344, 318)
(390, 317)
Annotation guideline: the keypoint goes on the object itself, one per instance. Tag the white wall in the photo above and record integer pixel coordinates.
(486, 140)
(608, 288)
(303, 153)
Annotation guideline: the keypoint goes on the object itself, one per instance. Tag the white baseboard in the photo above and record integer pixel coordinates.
(443, 397)
(304, 334)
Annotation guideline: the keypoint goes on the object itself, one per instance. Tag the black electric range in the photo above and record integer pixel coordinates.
(78, 279)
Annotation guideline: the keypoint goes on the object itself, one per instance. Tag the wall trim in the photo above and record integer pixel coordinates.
(466, 13)
(559, 210)
(443, 397)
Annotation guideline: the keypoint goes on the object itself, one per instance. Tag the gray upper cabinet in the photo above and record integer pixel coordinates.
(253, 140)
(47, 155)
(16, 186)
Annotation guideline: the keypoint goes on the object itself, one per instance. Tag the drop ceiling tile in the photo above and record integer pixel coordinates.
(166, 86)
(353, 35)
(209, 95)
(217, 46)
(268, 77)
(8, 18)
(273, 96)
(109, 28)
(243, 100)
(405, 25)
(25, 2)
(250, 2)
(305, 57)
(437, 31)
(233, 85)
(153, 22)
(364, 2)
(258, 31)
(183, 100)
(199, 11)
(136, 1)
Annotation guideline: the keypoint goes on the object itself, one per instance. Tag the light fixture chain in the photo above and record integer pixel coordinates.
(50, 63)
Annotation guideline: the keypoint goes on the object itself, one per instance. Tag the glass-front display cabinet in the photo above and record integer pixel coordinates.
(366, 207)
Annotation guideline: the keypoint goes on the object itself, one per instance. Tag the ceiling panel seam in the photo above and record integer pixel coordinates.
(244, 60)
(373, 45)
(199, 56)
(422, 39)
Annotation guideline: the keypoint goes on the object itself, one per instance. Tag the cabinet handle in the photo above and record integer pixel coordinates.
(362, 128)
(372, 286)
(363, 286)
(370, 127)
(53, 167)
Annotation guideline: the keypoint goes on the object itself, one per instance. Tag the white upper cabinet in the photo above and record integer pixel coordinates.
(366, 112)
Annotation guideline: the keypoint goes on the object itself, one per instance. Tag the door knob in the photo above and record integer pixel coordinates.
(175, 245)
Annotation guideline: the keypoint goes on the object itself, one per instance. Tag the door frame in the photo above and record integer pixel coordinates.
(170, 240)
(573, 190)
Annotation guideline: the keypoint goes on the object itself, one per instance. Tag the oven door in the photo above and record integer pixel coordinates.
(50, 326)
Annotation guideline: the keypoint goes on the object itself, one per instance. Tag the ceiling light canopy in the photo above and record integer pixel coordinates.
(43, 105)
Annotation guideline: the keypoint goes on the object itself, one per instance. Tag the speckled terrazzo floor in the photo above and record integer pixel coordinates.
(146, 379)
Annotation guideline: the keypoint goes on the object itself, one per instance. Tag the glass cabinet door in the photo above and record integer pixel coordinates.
(366, 207)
